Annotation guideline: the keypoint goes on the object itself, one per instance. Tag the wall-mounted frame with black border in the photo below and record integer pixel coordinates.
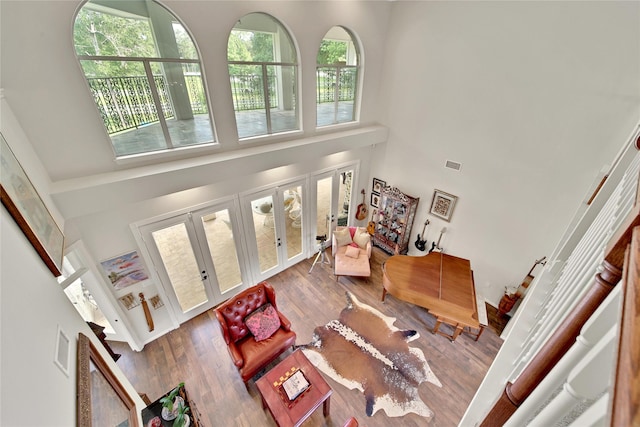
(23, 202)
(375, 200)
(378, 185)
(442, 204)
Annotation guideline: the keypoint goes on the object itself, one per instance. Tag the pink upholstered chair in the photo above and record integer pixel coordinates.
(351, 250)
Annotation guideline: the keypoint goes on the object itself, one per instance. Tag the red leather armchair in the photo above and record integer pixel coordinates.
(249, 355)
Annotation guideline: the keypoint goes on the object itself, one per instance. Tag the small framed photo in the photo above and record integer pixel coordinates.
(375, 200)
(442, 204)
(378, 185)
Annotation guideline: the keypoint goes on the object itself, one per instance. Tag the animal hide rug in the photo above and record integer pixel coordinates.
(363, 350)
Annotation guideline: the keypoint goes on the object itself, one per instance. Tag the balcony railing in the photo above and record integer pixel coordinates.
(127, 102)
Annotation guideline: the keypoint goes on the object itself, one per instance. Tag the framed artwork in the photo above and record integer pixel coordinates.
(156, 302)
(129, 301)
(374, 214)
(378, 185)
(124, 270)
(442, 204)
(29, 211)
(375, 200)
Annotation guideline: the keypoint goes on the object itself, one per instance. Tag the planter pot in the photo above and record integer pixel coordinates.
(168, 416)
(187, 422)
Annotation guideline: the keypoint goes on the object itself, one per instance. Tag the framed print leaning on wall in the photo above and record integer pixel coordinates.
(442, 204)
(29, 211)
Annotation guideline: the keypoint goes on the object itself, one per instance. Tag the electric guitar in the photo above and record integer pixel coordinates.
(361, 213)
(421, 243)
(435, 247)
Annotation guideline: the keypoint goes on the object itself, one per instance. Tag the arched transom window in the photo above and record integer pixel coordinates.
(337, 74)
(144, 74)
(263, 76)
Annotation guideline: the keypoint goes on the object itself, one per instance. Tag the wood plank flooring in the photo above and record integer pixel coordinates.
(196, 354)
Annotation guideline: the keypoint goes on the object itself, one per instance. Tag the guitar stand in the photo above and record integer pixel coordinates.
(321, 256)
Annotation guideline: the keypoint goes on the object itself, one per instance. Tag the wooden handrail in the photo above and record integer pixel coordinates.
(564, 337)
(626, 393)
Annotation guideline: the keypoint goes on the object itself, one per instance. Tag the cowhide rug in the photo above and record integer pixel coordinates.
(363, 350)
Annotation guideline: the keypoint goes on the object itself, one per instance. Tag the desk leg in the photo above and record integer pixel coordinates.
(326, 407)
(384, 294)
(457, 332)
(437, 326)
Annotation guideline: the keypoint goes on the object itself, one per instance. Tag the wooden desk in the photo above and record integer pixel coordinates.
(441, 283)
(296, 412)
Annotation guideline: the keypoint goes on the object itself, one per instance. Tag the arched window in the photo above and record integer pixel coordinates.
(337, 74)
(144, 74)
(263, 76)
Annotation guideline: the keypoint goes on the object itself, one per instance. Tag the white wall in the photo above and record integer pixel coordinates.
(33, 390)
(533, 98)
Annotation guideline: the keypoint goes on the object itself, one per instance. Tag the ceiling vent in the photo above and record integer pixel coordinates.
(453, 165)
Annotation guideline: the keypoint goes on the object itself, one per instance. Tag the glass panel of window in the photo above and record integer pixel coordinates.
(138, 60)
(263, 76)
(336, 78)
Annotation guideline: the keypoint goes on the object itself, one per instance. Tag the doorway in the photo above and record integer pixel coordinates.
(333, 199)
(275, 227)
(199, 257)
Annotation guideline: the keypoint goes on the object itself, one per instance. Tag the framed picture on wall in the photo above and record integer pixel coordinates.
(378, 185)
(375, 200)
(124, 270)
(442, 204)
(23, 202)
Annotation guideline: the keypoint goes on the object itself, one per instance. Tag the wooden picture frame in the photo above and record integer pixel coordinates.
(93, 372)
(23, 202)
(442, 205)
(378, 185)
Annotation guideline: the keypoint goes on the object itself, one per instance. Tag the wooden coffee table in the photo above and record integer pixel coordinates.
(285, 413)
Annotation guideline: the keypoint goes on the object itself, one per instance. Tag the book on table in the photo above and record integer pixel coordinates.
(295, 385)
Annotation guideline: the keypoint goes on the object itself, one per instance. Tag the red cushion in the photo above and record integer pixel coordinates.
(352, 231)
(263, 322)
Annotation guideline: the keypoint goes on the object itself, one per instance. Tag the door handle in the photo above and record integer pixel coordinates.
(279, 242)
(204, 275)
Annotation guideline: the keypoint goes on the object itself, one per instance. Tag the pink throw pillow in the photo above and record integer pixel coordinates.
(352, 231)
(263, 322)
(352, 251)
(354, 244)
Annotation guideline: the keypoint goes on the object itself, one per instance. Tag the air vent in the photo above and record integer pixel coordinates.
(453, 165)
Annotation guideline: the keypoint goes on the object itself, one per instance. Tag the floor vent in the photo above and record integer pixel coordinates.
(453, 165)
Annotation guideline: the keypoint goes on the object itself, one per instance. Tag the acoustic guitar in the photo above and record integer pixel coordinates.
(422, 242)
(361, 213)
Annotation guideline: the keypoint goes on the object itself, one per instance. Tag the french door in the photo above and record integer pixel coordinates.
(332, 192)
(275, 227)
(199, 257)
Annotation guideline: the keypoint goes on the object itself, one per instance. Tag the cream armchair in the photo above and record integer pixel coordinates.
(349, 259)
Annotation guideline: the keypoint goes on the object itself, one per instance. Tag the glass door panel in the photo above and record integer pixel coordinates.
(221, 243)
(293, 220)
(344, 196)
(323, 206)
(179, 260)
(265, 232)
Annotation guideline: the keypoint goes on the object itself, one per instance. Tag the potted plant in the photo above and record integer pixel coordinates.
(170, 403)
(182, 419)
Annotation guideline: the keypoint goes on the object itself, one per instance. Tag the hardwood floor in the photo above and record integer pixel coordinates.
(196, 354)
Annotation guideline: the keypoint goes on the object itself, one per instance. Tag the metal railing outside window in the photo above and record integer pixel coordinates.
(127, 102)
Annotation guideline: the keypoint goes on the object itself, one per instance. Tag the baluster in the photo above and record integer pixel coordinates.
(603, 320)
